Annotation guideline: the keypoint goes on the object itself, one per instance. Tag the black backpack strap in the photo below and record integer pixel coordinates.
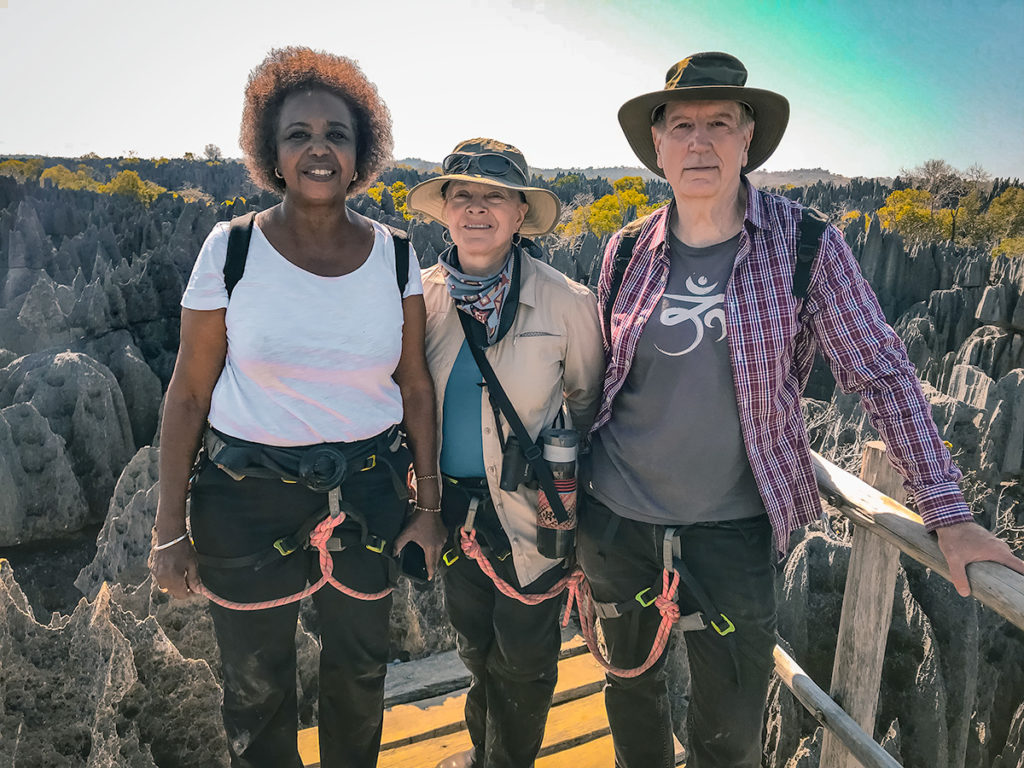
(238, 249)
(627, 241)
(401, 240)
(811, 227)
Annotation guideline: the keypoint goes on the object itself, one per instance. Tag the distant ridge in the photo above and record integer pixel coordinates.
(800, 177)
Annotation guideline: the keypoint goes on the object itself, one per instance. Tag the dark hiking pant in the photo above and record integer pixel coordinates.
(232, 518)
(511, 649)
(734, 562)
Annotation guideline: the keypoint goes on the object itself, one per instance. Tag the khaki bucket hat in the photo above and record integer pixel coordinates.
(487, 161)
(709, 76)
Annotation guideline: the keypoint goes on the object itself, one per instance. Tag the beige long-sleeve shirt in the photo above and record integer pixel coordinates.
(552, 352)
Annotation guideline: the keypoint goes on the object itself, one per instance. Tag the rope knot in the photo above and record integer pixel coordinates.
(322, 533)
(469, 544)
(669, 608)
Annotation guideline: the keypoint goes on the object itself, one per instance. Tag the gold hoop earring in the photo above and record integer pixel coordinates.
(355, 177)
(278, 173)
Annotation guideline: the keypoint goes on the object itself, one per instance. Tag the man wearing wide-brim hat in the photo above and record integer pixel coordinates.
(709, 347)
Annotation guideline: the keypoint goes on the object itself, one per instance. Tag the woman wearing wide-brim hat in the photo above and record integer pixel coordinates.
(539, 333)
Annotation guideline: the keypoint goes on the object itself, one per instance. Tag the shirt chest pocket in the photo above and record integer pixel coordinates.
(530, 366)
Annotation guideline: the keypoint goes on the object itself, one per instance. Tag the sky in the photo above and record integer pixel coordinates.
(873, 85)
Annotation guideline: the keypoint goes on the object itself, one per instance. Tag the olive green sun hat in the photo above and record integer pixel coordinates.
(487, 161)
(709, 76)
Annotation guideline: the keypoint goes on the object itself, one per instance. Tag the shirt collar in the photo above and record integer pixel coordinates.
(528, 279)
(757, 211)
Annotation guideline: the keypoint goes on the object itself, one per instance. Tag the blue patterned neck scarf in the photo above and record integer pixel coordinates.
(485, 299)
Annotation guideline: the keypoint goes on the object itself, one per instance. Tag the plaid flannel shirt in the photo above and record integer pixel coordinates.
(772, 339)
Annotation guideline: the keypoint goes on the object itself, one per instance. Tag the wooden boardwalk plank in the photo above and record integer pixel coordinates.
(597, 753)
(577, 676)
(421, 733)
(568, 724)
(442, 715)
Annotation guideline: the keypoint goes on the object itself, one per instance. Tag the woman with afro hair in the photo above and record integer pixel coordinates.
(301, 372)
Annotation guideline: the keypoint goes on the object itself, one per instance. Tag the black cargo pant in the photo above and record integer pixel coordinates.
(510, 648)
(232, 518)
(734, 562)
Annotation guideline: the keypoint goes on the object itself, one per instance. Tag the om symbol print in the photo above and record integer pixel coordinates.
(702, 308)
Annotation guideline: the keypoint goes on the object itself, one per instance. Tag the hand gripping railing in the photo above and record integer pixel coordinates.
(882, 529)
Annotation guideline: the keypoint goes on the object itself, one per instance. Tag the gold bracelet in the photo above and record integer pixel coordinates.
(427, 477)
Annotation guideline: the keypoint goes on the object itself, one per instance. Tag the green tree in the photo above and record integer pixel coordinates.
(1006, 213)
(376, 191)
(62, 178)
(910, 212)
(398, 194)
(129, 184)
(607, 214)
(23, 170)
(1010, 246)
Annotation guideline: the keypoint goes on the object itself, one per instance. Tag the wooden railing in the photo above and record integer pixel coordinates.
(882, 529)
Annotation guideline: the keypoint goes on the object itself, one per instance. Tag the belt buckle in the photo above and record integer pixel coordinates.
(370, 463)
(375, 544)
(645, 602)
(449, 561)
(283, 548)
(729, 626)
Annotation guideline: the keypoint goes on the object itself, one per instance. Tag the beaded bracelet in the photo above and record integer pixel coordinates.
(433, 510)
(427, 477)
(171, 543)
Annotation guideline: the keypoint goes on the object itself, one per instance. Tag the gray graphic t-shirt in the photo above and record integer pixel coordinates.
(673, 452)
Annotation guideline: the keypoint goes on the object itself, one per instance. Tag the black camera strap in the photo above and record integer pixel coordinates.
(531, 451)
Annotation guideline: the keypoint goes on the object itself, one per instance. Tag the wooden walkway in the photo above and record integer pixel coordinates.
(423, 718)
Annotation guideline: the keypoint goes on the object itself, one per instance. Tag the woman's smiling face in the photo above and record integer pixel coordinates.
(482, 219)
(316, 145)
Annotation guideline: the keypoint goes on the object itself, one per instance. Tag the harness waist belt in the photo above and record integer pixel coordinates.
(319, 467)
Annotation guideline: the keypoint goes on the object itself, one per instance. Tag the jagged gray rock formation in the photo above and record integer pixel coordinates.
(123, 544)
(39, 494)
(102, 688)
(83, 404)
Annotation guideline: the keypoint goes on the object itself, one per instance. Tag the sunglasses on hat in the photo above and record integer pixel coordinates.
(488, 164)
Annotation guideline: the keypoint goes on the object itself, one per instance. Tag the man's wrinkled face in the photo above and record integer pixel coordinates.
(702, 146)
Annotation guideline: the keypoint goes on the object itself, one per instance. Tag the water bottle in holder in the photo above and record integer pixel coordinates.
(559, 446)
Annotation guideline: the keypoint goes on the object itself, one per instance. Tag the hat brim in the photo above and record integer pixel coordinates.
(771, 115)
(425, 198)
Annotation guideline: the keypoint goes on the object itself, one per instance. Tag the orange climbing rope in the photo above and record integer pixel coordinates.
(579, 590)
(318, 538)
(472, 549)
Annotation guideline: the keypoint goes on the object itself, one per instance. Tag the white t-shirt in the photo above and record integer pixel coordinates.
(310, 359)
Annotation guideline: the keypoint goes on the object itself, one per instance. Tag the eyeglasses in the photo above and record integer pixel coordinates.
(487, 163)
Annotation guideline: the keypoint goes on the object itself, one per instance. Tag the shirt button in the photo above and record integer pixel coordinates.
(487, 430)
(490, 470)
